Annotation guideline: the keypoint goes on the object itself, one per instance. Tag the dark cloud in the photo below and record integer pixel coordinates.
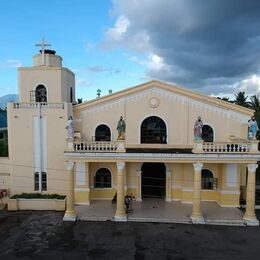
(199, 41)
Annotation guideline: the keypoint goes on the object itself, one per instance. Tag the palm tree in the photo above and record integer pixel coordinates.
(240, 99)
(254, 103)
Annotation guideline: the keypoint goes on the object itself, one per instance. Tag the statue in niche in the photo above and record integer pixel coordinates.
(252, 128)
(198, 129)
(121, 125)
(70, 128)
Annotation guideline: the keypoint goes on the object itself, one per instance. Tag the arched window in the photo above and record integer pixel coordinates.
(102, 178)
(153, 130)
(207, 180)
(102, 133)
(40, 94)
(207, 133)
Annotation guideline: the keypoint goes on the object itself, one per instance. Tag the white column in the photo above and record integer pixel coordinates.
(70, 214)
(138, 185)
(196, 216)
(168, 186)
(249, 216)
(120, 206)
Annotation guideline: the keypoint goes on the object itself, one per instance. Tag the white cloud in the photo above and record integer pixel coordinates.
(83, 82)
(11, 63)
(117, 32)
(250, 85)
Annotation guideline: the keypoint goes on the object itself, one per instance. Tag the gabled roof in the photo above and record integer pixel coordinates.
(3, 119)
(169, 87)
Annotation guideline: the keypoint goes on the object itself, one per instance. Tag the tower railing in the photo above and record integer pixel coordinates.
(34, 105)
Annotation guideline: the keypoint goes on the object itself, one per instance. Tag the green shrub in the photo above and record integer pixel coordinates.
(38, 196)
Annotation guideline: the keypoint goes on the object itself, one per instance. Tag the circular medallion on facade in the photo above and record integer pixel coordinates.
(154, 102)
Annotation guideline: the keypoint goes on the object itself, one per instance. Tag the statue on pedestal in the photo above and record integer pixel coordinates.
(121, 129)
(198, 129)
(70, 128)
(252, 128)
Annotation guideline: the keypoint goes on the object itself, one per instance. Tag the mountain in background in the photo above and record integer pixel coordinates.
(8, 98)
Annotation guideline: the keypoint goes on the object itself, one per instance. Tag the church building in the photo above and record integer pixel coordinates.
(141, 141)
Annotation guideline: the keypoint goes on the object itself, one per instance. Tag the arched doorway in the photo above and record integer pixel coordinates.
(102, 133)
(153, 130)
(207, 133)
(153, 180)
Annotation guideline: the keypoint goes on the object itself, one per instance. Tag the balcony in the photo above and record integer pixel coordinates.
(95, 146)
(245, 147)
(235, 147)
(35, 105)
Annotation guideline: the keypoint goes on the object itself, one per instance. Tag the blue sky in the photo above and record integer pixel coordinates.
(75, 31)
(212, 47)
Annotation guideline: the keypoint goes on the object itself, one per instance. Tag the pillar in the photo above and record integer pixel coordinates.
(196, 216)
(168, 186)
(249, 216)
(70, 214)
(138, 185)
(82, 183)
(120, 206)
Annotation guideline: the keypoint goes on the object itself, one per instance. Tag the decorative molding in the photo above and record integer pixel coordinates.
(197, 166)
(168, 173)
(252, 167)
(187, 189)
(82, 189)
(120, 165)
(160, 93)
(233, 192)
(176, 187)
(69, 166)
(164, 156)
(154, 102)
(139, 173)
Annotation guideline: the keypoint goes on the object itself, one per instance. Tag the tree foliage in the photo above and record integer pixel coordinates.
(241, 99)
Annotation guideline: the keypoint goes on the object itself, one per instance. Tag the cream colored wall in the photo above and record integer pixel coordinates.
(178, 117)
(56, 80)
(50, 60)
(110, 117)
(131, 175)
(102, 193)
(21, 147)
(4, 172)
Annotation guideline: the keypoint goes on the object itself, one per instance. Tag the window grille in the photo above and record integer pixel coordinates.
(36, 181)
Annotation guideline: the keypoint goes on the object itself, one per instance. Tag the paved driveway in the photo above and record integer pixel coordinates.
(43, 235)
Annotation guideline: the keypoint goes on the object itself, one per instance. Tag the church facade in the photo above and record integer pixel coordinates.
(138, 141)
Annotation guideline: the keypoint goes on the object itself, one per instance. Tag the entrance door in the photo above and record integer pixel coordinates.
(153, 180)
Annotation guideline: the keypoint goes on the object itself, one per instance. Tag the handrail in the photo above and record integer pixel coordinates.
(34, 105)
(226, 147)
(95, 146)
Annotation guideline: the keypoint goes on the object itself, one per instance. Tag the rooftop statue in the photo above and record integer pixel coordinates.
(70, 128)
(198, 129)
(121, 129)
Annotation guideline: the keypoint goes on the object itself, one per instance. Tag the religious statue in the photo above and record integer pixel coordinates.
(252, 128)
(121, 129)
(70, 128)
(198, 129)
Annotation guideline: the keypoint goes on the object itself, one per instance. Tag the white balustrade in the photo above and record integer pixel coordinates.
(226, 147)
(34, 105)
(95, 146)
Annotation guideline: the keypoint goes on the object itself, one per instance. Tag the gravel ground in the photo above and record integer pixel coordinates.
(43, 235)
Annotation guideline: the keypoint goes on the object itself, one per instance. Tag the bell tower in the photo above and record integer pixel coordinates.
(36, 124)
(46, 81)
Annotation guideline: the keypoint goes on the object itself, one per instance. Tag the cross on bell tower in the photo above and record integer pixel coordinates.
(43, 44)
